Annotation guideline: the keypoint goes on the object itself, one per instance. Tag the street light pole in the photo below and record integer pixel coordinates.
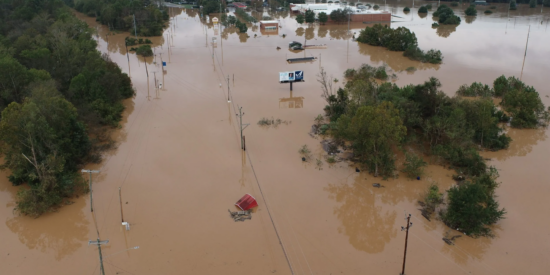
(90, 172)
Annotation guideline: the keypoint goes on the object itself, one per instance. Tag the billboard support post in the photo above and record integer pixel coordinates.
(290, 86)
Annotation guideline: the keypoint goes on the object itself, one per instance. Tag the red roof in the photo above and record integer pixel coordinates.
(246, 202)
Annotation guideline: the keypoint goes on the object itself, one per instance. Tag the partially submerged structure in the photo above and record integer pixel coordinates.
(357, 14)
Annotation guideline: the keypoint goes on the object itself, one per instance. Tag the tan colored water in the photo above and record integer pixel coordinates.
(180, 166)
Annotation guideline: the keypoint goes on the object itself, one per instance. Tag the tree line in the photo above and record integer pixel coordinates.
(149, 17)
(58, 98)
(380, 119)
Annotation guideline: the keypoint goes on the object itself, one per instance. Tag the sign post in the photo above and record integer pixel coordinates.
(291, 77)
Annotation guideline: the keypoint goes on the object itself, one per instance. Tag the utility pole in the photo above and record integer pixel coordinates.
(99, 243)
(91, 172)
(156, 85)
(409, 225)
(228, 98)
(120, 200)
(162, 64)
(525, 55)
(135, 30)
(240, 115)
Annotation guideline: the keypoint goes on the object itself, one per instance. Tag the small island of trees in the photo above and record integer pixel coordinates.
(400, 39)
(376, 120)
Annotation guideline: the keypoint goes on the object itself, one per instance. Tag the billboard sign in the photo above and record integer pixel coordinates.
(292, 76)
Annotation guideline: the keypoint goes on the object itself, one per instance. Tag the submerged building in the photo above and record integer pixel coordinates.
(358, 14)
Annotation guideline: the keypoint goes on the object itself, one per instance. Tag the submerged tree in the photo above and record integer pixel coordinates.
(374, 130)
(323, 18)
(42, 142)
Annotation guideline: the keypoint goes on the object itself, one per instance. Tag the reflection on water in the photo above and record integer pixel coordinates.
(476, 247)
(291, 102)
(445, 30)
(300, 31)
(470, 19)
(60, 233)
(523, 141)
(395, 60)
(368, 226)
(309, 33)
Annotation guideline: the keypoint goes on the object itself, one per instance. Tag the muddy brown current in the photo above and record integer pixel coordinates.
(180, 166)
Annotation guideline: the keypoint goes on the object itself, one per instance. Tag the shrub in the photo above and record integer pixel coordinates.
(454, 4)
(533, 3)
(144, 50)
(464, 160)
(413, 166)
(406, 9)
(305, 152)
(429, 6)
(376, 7)
(381, 73)
(471, 11)
(433, 198)
(488, 11)
(435, 25)
(476, 89)
(331, 159)
(431, 56)
(423, 9)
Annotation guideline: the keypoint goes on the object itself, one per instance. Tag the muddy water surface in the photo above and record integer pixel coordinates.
(180, 166)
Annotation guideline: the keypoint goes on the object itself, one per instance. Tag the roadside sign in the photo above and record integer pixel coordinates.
(292, 76)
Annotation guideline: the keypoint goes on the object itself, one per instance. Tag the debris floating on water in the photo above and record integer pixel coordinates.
(241, 216)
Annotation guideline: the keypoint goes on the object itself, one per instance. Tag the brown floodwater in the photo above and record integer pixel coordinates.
(180, 167)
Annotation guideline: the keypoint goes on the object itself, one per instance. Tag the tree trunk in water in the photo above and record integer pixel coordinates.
(375, 163)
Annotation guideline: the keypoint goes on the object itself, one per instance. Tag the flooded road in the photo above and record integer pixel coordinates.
(180, 167)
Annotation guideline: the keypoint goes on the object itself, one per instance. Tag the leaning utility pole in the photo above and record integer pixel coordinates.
(409, 224)
(240, 115)
(99, 243)
(525, 55)
(90, 172)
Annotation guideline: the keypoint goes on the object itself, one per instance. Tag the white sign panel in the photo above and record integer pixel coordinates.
(286, 76)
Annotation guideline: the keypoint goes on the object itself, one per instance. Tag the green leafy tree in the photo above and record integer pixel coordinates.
(446, 15)
(300, 18)
(471, 11)
(472, 209)
(423, 9)
(413, 166)
(406, 9)
(241, 26)
(374, 130)
(323, 18)
(339, 16)
(310, 17)
(42, 142)
(546, 3)
(513, 5)
(533, 3)
(525, 107)
(144, 50)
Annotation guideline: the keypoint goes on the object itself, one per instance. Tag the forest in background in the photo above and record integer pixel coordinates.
(59, 97)
(150, 17)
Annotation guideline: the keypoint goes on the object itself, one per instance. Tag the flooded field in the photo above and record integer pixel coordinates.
(180, 167)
